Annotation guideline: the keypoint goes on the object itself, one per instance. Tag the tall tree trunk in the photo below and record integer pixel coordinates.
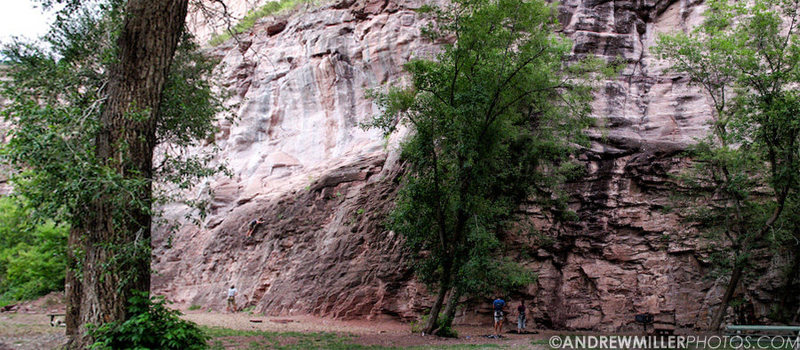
(738, 268)
(125, 144)
(450, 309)
(436, 308)
(72, 286)
(789, 293)
(726, 298)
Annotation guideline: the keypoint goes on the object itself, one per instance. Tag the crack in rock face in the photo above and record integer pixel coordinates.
(323, 186)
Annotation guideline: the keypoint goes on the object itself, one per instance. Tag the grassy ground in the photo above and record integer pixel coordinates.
(33, 332)
(224, 338)
(245, 331)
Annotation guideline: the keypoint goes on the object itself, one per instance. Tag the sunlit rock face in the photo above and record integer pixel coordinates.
(301, 162)
(5, 126)
(207, 18)
(323, 185)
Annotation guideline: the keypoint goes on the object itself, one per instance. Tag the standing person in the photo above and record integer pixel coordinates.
(498, 304)
(521, 317)
(232, 299)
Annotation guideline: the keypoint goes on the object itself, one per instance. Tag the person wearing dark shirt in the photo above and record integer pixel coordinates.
(253, 225)
(521, 317)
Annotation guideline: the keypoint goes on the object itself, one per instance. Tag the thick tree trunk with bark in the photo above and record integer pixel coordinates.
(72, 285)
(449, 310)
(452, 304)
(125, 144)
(435, 309)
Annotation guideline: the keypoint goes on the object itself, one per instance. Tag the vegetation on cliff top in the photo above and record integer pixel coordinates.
(249, 20)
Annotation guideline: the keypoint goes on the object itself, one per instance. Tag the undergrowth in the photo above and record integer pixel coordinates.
(152, 325)
(33, 254)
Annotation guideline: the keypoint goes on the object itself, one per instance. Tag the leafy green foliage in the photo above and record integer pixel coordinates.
(493, 120)
(747, 171)
(56, 96)
(249, 20)
(443, 324)
(32, 255)
(151, 325)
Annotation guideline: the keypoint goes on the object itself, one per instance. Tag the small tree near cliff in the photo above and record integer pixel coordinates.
(746, 57)
(88, 114)
(493, 121)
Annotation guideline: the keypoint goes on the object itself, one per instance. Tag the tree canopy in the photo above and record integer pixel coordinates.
(118, 79)
(493, 122)
(746, 57)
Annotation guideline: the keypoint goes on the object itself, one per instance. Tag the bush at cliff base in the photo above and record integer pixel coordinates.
(152, 325)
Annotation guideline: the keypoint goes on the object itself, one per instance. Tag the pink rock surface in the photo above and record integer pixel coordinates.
(323, 185)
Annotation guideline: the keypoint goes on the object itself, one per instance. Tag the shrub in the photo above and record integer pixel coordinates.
(442, 324)
(32, 255)
(417, 326)
(152, 325)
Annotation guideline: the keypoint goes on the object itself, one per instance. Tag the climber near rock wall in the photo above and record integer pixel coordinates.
(521, 317)
(498, 304)
(253, 225)
(232, 299)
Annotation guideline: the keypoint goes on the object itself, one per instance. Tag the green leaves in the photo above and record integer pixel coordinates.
(56, 97)
(152, 325)
(493, 121)
(32, 254)
(745, 56)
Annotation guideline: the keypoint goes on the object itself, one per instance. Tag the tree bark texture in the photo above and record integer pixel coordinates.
(450, 309)
(738, 269)
(72, 285)
(125, 143)
(435, 309)
(716, 321)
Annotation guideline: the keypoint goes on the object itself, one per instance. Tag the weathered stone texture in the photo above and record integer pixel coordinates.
(323, 184)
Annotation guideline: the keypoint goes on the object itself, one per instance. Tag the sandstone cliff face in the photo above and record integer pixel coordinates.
(323, 185)
(302, 163)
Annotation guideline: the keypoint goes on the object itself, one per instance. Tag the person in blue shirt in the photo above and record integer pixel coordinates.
(498, 304)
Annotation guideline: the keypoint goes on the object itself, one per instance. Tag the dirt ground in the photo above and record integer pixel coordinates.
(382, 333)
(30, 330)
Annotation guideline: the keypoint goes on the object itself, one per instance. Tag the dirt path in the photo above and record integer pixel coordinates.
(32, 331)
(29, 332)
(384, 332)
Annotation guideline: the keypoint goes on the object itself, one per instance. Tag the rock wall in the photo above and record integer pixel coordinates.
(302, 163)
(5, 187)
(323, 184)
